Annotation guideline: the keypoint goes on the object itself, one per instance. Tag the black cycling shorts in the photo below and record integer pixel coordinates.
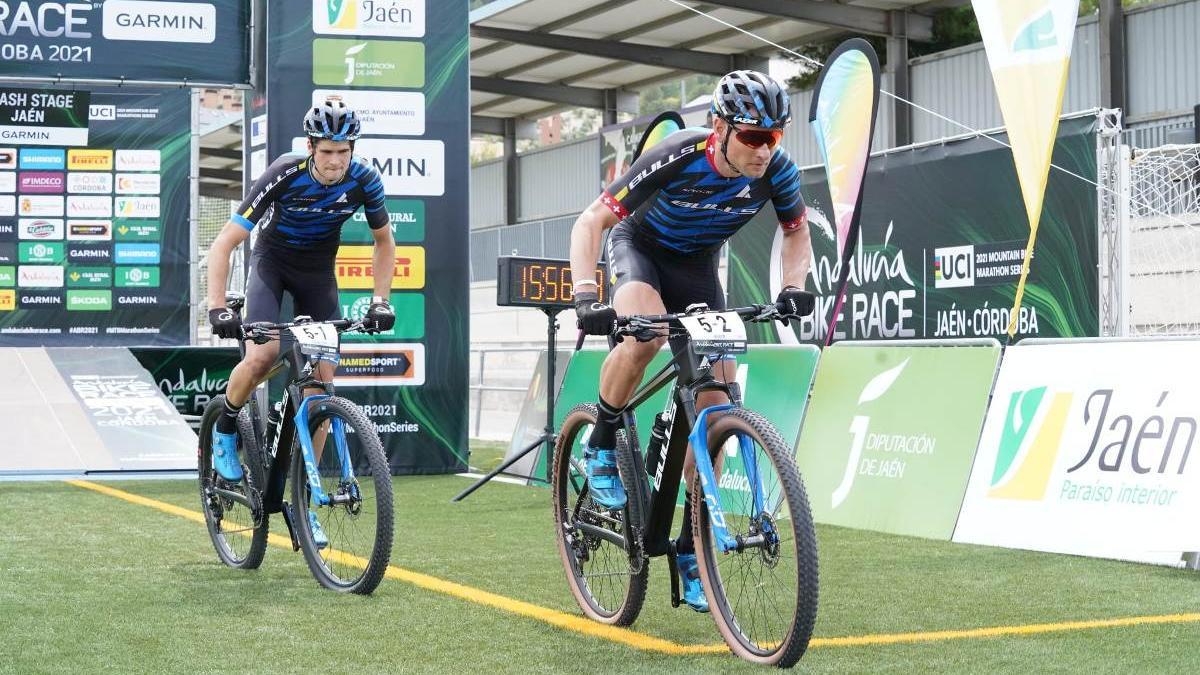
(680, 280)
(313, 289)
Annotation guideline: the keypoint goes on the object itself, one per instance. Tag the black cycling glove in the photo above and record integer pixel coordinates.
(794, 303)
(593, 316)
(379, 318)
(225, 323)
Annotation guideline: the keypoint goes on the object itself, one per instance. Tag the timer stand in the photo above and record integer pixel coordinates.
(548, 437)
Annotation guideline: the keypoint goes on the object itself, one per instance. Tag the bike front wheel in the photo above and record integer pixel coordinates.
(608, 582)
(357, 521)
(237, 522)
(763, 593)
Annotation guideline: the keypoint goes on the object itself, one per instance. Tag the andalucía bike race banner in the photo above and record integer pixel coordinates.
(94, 217)
(940, 245)
(197, 42)
(402, 66)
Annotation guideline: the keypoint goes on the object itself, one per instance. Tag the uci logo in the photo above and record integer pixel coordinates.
(954, 267)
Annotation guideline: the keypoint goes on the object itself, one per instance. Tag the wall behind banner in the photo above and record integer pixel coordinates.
(942, 239)
(405, 73)
(99, 256)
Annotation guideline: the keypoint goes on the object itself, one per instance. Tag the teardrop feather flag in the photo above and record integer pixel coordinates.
(843, 118)
(1028, 45)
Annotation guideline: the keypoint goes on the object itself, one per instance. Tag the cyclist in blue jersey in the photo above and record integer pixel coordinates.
(299, 203)
(670, 214)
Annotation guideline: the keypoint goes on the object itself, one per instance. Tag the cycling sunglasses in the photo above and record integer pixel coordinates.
(756, 138)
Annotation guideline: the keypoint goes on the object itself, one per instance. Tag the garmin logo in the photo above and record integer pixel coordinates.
(157, 21)
(41, 300)
(137, 299)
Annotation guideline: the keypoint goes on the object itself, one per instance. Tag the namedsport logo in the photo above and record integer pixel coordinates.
(1029, 443)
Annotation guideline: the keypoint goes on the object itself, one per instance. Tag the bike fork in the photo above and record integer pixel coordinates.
(708, 480)
(317, 494)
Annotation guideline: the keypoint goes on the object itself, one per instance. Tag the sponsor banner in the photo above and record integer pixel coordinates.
(43, 159)
(41, 252)
(102, 113)
(8, 158)
(383, 113)
(89, 230)
(888, 441)
(135, 299)
(926, 201)
(8, 276)
(368, 63)
(40, 276)
(8, 181)
(40, 299)
(42, 182)
(41, 117)
(8, 205)
(34, 205)
(89, 183)
(40, 228)
(189, 377)
(137, 277)
(389, 18)
(381, 364)
(407, 217)
(89, 277)
(137, 183)
(139, 160)
(8, 229)
(89, 301)
(258, 131)
(138, 230)
(8, 252)
(1091, 461)
(89, 206)
(136, 207)
(409, 309)
(87, 159)
(127, 41)
(8, 301)
(407, 167)
(354, 267)
(136, 254)
(89, 254)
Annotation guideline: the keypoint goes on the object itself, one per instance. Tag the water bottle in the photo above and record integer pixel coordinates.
(658, 436)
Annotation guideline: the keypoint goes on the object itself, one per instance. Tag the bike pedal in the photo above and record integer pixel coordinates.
(287, 518)
(671, 557)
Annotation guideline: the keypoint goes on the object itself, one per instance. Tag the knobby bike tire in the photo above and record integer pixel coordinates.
(381, 477)
(564, 504)
(254, 480)
(792, 644)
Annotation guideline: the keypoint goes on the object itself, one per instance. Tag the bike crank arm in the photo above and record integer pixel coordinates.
(600, 533)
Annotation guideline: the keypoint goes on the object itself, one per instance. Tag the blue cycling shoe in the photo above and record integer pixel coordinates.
(604, 482)
(318, 532)
(693, 589)
(225, 457)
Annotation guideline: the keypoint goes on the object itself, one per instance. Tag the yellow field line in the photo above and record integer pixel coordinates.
(579, 624)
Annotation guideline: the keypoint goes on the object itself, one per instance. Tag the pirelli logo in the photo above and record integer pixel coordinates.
(90, 160)
(354, 267)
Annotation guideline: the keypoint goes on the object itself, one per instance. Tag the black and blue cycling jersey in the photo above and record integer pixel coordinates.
(673, 198)
(304, 215)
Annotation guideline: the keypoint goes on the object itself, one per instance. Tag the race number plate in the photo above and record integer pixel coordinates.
(716, 333)
(316, 338)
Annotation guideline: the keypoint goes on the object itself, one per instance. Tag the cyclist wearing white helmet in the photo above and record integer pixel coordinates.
(670, 214)
(299, 203)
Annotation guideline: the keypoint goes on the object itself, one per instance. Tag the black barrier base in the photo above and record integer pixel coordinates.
(548, 437)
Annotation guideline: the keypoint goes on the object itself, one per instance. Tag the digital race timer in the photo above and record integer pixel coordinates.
(540, 282)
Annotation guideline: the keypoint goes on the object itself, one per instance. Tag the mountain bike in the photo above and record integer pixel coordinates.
(328, 448)
(753, 527)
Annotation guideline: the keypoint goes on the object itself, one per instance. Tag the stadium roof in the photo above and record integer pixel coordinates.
(531, 57)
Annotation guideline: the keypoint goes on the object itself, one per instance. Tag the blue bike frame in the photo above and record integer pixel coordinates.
(310, 462)
(708, 478)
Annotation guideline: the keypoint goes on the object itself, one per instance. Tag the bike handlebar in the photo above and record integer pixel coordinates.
(261, 332)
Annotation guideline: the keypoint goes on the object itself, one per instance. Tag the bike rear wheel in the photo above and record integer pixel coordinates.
(238, 530)
(358, 523)
(764, 597)
(607, 581)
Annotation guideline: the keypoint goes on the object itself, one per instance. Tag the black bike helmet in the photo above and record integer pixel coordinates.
(332, 120)
(749, 97)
